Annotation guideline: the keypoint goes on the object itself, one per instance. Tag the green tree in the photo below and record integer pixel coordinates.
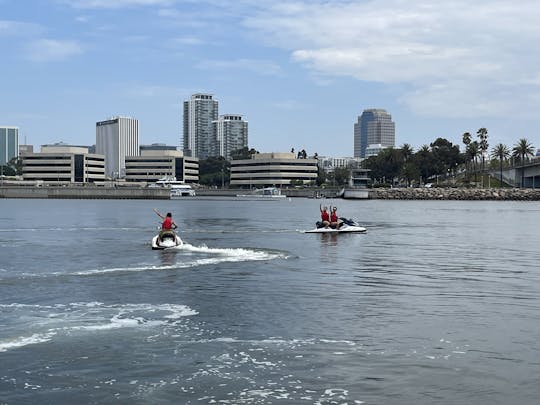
(214, 171)
(483, 145)
(523, 149)
(446, 156)
(6, 170)
(406, 151)
(243, 153)
(472, 153)
(425, 162)
(500, 152)
(342, 175)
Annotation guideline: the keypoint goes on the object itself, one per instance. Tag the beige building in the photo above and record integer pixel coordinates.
(153, 165)
(63, 164)
(272, 169)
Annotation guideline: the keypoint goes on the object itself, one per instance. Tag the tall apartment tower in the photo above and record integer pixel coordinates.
(374, 129)
(9, 144)
(117, 138)
(199, 112)
(230, 133)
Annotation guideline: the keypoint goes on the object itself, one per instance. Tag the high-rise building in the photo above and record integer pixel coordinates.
(9, 144)
(117, 138)
(199, 112)
(374, 127)
(230, 132)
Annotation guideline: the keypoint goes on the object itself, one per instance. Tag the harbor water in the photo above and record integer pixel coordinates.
(438, 302)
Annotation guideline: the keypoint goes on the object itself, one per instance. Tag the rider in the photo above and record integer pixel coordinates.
(325, 218)
(334, 220)
(168, 223)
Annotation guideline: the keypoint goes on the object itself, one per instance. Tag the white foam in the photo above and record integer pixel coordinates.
(25, 341)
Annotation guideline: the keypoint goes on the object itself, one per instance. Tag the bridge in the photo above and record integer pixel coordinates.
(527, 173)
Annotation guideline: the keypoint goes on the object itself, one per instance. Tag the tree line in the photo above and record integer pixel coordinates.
(441, 158)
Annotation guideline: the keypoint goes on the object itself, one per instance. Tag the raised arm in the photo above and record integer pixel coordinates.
(158, 214)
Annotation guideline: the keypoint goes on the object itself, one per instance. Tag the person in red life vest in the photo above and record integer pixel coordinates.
(168, 223)
(325, 218)
(335, 222)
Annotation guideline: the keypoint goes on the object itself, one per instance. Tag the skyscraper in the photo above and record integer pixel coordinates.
(199, 112)
(230, 132)
(117, 138)
(9, 144)
(374, 129)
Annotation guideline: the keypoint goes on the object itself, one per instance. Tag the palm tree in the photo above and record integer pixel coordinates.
(483, 144)
(523, 149)
(406, 151)
(467, 138)
(472, 153)
(501, 152)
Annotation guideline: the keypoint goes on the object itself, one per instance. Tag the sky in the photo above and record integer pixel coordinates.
(300, 72)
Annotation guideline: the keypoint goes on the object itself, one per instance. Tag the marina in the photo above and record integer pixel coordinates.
(436, 297)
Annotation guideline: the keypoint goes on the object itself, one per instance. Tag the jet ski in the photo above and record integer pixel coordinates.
(166, 239)
(346, 226)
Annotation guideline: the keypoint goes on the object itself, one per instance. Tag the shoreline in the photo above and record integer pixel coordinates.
(88, 192)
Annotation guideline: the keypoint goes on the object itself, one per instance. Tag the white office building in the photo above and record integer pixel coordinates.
(117, 138)
(199, 113)
(230, 133)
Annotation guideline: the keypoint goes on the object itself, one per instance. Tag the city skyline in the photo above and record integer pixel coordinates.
(300, 72)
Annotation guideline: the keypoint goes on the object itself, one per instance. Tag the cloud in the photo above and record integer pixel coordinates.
(263, 67)
(45, 50)
(188, 40)
(450, 58)
(18, 28)
(115, 4)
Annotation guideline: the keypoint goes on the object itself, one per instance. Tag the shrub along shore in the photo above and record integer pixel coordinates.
(510, 194)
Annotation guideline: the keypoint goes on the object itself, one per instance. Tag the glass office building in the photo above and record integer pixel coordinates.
(9, 144)
(374, 127)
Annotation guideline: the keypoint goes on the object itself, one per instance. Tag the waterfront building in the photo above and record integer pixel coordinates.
(199, 113)
(63, 164)
(329, 164)
(374, 127)
(153, 165)
(25, 149)
(272, 169)
(230, 132)
(157, 147)
(117, 138)
(9, 144)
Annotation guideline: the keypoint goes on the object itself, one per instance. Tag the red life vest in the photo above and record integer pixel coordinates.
(324, 216)
(167, 223)
(333, 217)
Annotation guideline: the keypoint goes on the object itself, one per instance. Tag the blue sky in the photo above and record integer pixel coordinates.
(299, 71)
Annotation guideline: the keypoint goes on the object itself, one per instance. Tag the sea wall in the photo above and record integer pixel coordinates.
(455, 194)
(84, 193)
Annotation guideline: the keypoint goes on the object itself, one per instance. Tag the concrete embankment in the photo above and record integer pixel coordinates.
(455, 194)
(374, 194)
(84, 193)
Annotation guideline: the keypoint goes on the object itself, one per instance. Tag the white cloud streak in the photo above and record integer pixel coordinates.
(455, 58)
(47, 50)
(115, 4)
(263, 67)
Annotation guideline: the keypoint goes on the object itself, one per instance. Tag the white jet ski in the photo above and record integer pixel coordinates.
(347, 226)
(166, 239)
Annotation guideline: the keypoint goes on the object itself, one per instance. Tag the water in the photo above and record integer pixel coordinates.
(439, 302)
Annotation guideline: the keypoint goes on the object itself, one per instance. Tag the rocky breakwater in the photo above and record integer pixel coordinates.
(455, 194)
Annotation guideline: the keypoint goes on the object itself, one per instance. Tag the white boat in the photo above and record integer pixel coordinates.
(166, 239)
(181, 191)
(347, 226)
(267, 193)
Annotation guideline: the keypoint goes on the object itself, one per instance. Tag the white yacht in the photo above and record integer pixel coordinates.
(267, 193)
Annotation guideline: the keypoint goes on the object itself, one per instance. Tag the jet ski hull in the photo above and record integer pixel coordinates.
(165, 240)
(343, 229)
